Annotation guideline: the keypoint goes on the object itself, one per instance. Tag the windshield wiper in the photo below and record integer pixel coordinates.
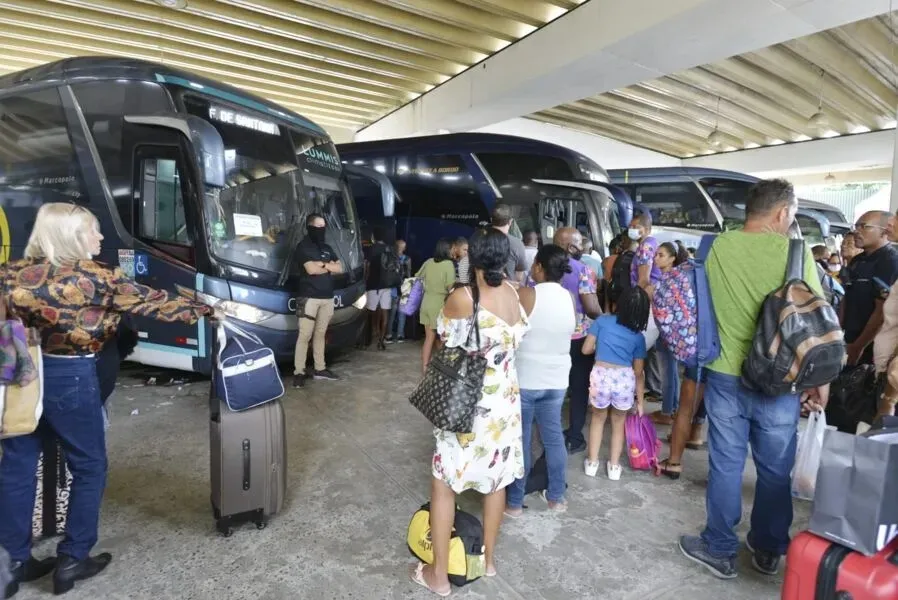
(291, 253)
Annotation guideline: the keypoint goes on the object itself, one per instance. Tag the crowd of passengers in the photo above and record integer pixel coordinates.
(546, 335)
(544, 326)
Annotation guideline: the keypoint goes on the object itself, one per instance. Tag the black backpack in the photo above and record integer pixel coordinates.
(390, 269)
(620, 274)
(798, 343)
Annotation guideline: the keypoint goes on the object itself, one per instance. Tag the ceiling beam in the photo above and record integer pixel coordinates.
(702, 107)
(714, 85)
(531, 12)
(467, 17)
(695, 120)
(844, 64)
(307, 99)
(695, 143)
(621, 134)
(138, 15)
(437, 40)
(92, 40)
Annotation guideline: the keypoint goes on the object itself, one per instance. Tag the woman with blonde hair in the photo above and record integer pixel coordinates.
(76, 304)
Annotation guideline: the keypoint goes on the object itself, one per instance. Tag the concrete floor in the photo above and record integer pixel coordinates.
(359, 459)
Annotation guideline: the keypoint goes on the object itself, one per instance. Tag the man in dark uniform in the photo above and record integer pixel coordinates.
(315, 302)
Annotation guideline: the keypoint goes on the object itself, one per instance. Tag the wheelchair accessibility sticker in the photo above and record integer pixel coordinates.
(141, 264)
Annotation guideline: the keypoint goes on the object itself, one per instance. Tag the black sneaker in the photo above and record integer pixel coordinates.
(574, 447)
(299, 380)
(29, 570)
(764, 562)
(695, 549)
(327, 375)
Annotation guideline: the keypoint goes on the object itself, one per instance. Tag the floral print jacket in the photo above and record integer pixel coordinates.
(78, 307)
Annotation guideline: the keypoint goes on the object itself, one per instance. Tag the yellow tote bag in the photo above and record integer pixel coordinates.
(21, 407)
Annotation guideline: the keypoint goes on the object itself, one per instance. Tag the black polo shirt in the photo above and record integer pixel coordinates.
(314, 286)
(375, 272)
(871, 276)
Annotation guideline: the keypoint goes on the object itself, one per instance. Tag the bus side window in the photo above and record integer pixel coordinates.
(161, 212)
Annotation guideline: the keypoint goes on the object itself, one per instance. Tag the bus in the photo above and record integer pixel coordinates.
(447, 185)
(686, 202)
(200, 188)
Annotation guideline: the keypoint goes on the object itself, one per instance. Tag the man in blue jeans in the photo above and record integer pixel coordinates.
(743, 267)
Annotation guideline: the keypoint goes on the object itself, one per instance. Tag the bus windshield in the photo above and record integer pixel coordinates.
(729, 196)
(275, 177)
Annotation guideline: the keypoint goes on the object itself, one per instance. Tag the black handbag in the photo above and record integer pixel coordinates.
(453, 383)
(853, 398)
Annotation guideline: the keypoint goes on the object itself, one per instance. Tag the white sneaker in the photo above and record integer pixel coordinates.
(590, 468)
(614, 472)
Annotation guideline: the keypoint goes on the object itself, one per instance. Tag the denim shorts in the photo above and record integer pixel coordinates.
(612, 387)
(691, 373)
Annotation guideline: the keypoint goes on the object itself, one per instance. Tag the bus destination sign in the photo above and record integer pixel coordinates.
(231, 117)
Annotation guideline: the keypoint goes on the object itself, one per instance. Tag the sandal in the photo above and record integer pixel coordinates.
(418, 577)
(695, 445)
(666, 468)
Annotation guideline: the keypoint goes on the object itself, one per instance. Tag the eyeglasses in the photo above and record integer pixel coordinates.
(867, 226)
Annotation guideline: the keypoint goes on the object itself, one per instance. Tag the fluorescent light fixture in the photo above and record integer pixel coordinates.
(830, 134)
(750, 145)
(777, 142)
(802, 138)
(860, 129)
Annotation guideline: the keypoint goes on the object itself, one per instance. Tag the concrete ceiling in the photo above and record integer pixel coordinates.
(762, 98)
(342, 63)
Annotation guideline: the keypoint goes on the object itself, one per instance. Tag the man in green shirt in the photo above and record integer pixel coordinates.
(743, 267)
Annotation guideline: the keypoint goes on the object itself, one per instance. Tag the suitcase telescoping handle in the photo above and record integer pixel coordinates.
(246, 465)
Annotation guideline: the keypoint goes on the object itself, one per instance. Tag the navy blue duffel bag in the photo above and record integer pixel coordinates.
(246, 372)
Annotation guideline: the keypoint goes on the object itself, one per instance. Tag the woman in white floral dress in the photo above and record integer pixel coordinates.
(491, 457)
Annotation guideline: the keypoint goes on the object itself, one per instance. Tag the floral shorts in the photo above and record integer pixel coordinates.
(612, 387)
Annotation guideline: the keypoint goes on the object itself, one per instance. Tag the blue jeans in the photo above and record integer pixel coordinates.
(692, 374)
(738, 417)
(543, 406)
(73, 412)
(395, 314)
(670, 368)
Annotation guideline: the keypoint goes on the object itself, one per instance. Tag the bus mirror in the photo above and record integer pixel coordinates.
(208, 147)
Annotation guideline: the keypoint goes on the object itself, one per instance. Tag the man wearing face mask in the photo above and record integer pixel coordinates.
(315, 301)
(582, 284)
(743, 267)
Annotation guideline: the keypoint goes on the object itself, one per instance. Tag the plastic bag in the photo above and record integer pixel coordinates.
(807, 457)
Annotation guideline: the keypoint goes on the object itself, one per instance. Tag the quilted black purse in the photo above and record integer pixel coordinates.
(453, 383)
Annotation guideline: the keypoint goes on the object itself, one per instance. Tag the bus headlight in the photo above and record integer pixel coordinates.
(360, 303)
(235, 310)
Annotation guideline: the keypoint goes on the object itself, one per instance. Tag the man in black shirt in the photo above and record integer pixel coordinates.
(872, 274)
(315, 304)
(380, 281)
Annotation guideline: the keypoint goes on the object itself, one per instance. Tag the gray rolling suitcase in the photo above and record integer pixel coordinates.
(249, 463)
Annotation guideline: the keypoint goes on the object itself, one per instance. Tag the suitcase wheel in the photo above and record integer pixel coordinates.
(261, 525)
(224, 527)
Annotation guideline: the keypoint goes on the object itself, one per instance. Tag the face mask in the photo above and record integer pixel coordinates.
(576, 253)
(835, 268)
(634, 234)
(316, 234)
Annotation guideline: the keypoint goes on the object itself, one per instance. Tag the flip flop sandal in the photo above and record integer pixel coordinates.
(418, 577)
(695, 445)
(663, 468)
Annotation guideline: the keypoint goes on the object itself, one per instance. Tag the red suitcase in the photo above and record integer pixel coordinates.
(817, 569)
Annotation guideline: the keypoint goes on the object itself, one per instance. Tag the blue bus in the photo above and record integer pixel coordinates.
(687, 201)
(447, 185)
(200, 188)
